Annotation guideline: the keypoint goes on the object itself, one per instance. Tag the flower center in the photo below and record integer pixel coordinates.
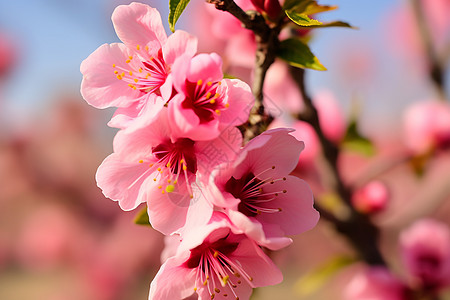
(214, 266)
(172, 160)
(145, 75)
(204, 99)
(251, 191)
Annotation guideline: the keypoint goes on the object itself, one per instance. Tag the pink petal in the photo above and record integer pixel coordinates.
(100, 86)
(122, 181)
(281, 151)
(240, 99)
(297, 214)
(254, 230)
(179, 43)
(256, 264)
(205, 67)
(139, 24)
(173, 281)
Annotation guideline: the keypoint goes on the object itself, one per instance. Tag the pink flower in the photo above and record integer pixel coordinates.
(124, 75)
(371, 198)
(427, 126)
(375, 283)
(152, 164)
(216, 261)
(205, 100)
(425, 250)
(331, 118)
(258, 194)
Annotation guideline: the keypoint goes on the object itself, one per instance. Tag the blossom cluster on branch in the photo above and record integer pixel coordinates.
(179, 151)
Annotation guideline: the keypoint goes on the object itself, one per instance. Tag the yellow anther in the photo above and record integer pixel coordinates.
(219, 83)
(195, 289)
(209, 83)
(181, 161)
(128, 61)
(175, 182)
(224, 280)
(136, 80)
(150, 165)
(208, 95)
(141, 161)
(184, 167)
(149, 75)
(116, 72)
(159, 169)
(163, 192)
(216, 254)
(216, 290)
(114, 65)
(154, 179)
(130, 57)
(170, 188)
(160, 187)
(199, 82)
(138, 47)
(250, 278)
(213, 296)
(131, 73)
(169, 180)
(146, 48)
(205, 282)
(123, 74)
(227, 105)
(140, 70)
(168, 165)
(216, 95)
(217, 111)
(119, 77)
(212, 101)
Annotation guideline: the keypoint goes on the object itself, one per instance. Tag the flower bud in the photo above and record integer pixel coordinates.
(371, 198)
(271, 7)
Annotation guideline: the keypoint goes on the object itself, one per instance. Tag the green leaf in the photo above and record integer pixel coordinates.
(315, 280)
(298, 54)
(290, 4)
(354, 141)
(334, 24)
(176, 8)
(302, 19)
(315, 8)
(142, 217)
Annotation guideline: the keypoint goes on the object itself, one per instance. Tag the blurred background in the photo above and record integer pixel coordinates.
(61, 239)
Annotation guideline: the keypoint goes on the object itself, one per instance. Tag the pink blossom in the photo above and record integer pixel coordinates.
(303, 132)
(258, 194)
(205, 101)
(240, 45)
(281, 94)
(152, 164)
(331, 117)
(371, 198)
(425, 250)
(427, 126)
(124, 75)
(216, 261)
(375, 283)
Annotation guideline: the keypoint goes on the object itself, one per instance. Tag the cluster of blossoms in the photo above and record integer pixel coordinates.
(179, 151)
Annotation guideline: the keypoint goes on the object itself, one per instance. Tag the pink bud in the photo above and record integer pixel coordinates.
(271, 7)
(375, 283)
(427, 126)
(371, 198)
(425, 250)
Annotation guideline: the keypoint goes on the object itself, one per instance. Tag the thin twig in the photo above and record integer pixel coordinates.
(436, 69)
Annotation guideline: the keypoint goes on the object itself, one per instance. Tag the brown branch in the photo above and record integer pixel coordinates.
(266, 38)
(358, 228)
(436, 69)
